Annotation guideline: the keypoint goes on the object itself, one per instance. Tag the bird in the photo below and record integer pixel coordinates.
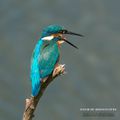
(46, 54)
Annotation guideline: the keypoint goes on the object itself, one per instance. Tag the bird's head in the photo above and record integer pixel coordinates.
(56, 32)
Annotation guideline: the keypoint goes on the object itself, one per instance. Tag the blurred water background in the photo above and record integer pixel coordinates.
(93, 71)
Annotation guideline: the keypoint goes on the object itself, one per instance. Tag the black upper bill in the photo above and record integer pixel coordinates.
(70, 33)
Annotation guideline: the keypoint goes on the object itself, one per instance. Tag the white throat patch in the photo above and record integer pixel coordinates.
(48, 38)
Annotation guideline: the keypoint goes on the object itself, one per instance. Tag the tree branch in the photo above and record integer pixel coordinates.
(31, 103)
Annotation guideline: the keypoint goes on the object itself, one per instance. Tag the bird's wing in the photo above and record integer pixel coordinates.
(47, 60)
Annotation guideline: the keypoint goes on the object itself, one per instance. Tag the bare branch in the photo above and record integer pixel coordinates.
(31, 103)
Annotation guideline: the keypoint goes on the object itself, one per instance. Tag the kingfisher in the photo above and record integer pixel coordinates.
(46, 54)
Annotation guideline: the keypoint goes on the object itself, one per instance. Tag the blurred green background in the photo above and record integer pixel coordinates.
(93, 71)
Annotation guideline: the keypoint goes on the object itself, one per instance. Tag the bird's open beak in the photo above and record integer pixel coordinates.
(70, 33)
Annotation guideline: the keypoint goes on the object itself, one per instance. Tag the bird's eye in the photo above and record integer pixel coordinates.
(63, 31)
(60, 31)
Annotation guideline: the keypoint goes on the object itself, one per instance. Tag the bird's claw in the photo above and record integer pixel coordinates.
(62, 72)
(60, 69)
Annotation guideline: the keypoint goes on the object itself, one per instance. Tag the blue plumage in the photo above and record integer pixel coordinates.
(44, 59)
(43, 62)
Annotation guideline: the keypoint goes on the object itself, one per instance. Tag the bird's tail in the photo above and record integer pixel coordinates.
(36, 84)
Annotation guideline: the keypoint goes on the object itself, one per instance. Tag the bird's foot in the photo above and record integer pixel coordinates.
(44, 80)
(59, 70)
